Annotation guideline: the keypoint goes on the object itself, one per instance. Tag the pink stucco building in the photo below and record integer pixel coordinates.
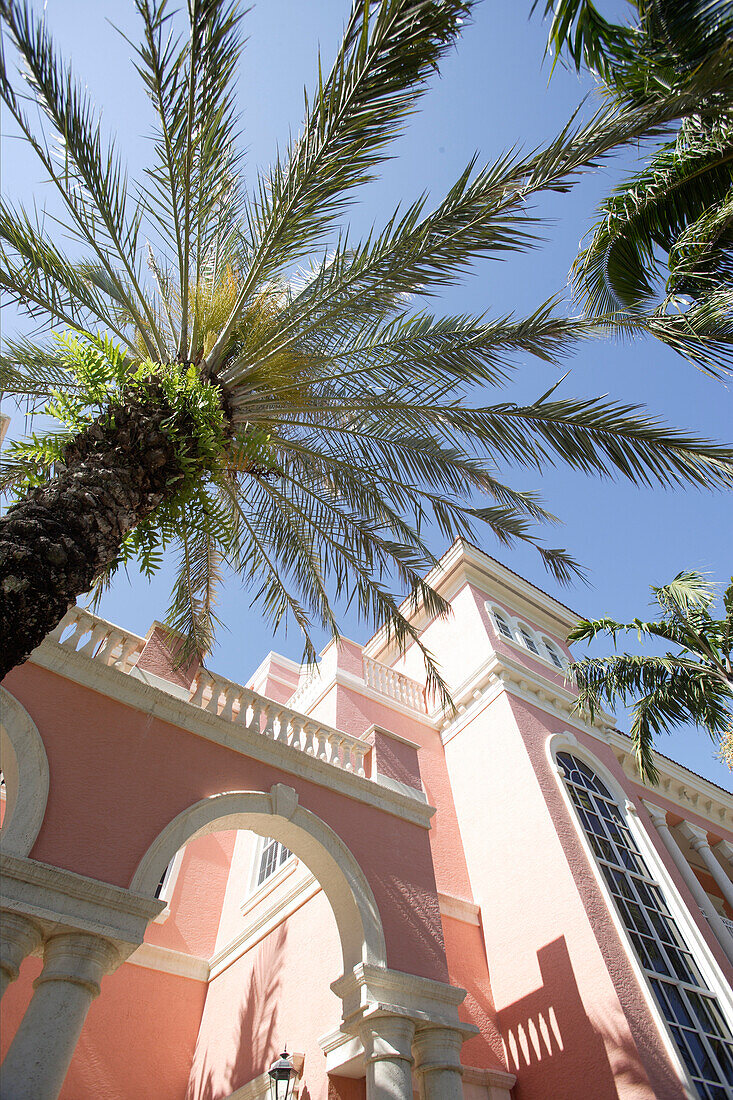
(482, 905)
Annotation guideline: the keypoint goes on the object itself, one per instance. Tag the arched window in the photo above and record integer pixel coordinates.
(528, 640)
(692, 1011)
(554, 654)
(501, 623)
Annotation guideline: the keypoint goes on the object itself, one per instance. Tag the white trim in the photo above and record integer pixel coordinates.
(24, 765)
(64, 899)
(264, 919)
(152, 957)
(279, 816)
(459, 909)
(256, 892)
(202, 723)
(516, 625)
(556, 743)
(169, 883)
(463, 563)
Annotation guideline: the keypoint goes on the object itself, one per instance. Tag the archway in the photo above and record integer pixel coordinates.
(279, 816)
(24, 765)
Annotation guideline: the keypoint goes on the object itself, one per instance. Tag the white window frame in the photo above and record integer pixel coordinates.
(553, 647)
(515, 627)
(254, 873)
(706, 961)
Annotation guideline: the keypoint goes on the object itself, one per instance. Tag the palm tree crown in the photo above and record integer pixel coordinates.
(661, 252)
(695, 683)
(236, 378)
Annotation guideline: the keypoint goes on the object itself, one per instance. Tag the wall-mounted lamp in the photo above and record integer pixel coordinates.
(282, 1074)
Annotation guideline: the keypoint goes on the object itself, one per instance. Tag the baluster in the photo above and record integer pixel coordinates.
(336, 741)
(296, 731)
(129, 647)
(99, 632)
(323, 742)
(360, 752)
(281, 731)
(80, 628)
(197, 696)
(269, 713)
(230, 694)
(308, 745)
(70, 617)
(105, 651)
(213, 704)
(348, 764)
(255, 720)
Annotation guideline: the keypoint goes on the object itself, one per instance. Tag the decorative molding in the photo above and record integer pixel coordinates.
(284, 800)
(66, 900)
(264, 916)
(459, 909)
(370, 990)
(152, 957)
(322, 850)
(344, 1053)
(494, 1080)
(677, 785)
(203, 723)
(25, 768)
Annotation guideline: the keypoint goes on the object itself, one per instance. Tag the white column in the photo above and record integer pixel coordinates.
(387, 1044)
(724, 848)
(698, 839)
(19, 935)
(39, 1055)
(438, 1063)
(659, 818)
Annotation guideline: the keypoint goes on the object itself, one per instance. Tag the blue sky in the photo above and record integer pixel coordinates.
(493, 93)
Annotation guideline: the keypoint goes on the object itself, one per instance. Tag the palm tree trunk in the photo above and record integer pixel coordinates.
(62, 535)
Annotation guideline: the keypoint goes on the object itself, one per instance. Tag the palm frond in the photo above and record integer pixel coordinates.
(389, 49)
(89, 177)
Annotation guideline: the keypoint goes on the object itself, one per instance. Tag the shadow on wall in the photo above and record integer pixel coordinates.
(554, 1047)
(256, 1030)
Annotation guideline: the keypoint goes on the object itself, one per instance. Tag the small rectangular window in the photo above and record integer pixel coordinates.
(273, 856)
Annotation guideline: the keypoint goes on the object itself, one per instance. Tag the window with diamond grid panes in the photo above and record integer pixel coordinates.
(273, 856)
(692, 1011)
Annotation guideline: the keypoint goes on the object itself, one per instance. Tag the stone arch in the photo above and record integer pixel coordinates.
(279, 816)
(24, 765)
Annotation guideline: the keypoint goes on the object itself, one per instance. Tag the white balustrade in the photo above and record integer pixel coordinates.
(395, 685)
(85, 633)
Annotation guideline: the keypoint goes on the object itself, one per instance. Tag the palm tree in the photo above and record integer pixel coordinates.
(661, 252)
(693, 684)
(238, 380)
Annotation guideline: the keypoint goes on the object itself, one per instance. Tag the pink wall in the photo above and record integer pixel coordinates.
(139, 1014)
(278, 992)
(557, 1006)
(147, 771)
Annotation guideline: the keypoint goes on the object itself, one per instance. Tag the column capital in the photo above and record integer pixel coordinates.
(21, 935)
(697, 836)
(78, 957)
(657, 814)
(386, 1038)
(438, 1047)
(724, 848)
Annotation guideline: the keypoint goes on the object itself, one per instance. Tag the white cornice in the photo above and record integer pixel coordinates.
(202, 723)
(152, 957)
(459, 909)
(463, 562)
(65, 899)
(683, 788)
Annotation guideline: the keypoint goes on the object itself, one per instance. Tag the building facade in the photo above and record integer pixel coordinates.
(484, 904)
